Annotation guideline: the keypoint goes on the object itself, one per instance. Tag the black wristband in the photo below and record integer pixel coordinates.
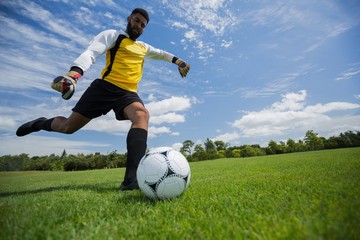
(77, 69)
(174, 59)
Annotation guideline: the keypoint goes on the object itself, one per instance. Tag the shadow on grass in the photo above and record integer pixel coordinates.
(89, 187)
(126, 196)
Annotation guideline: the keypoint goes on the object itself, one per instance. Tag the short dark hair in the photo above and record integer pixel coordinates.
(143, 12)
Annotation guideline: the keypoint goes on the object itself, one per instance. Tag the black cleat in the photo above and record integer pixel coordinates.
(131, 186)
(29, 127)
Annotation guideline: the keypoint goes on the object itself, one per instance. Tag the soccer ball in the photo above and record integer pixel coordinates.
(163, 173)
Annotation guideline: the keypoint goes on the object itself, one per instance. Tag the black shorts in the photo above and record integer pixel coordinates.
(101, 96)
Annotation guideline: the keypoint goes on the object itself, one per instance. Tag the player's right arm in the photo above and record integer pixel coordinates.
(98, 46)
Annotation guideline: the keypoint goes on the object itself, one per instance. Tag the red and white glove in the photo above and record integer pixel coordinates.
(183, 67)
(66, 84)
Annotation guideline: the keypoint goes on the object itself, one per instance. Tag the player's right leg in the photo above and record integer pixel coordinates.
(56, 124)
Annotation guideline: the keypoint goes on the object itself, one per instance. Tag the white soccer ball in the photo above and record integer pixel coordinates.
(163, 173)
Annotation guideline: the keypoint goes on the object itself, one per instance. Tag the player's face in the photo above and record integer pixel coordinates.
(136, 25)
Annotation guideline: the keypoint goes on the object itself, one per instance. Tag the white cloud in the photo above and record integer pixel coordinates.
(332, 31)
(227, 137)
(7, 122)
(52, 23)
(172, 104)
(16, 31)
(85, 16)
(214, 15)
(191, 35)
(177, 24)
(109, 15)
(204, 22)
(226, 44)
(109, 3)
(291, 116)
(156, 131)
(108, 124)
(290, 101)
(349, 73)
(330, 107)
(167, 118)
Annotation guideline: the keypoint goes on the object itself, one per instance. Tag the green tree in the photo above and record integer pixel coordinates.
(300, 146)
(210, 146)
(290, 145)
(199, 153)
(349, 139)
(275, 148)
(313, 141)
(331, 143)
(272, 147)
(220, 145)
(210, 149)
(187, 148)
(236, 153)
(64, 154)
(221, 154)
(248, 151)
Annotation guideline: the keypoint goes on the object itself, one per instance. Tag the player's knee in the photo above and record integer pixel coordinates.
(68, 129)
(142, 115)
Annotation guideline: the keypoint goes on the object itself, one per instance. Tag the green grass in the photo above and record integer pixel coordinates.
(311, 195)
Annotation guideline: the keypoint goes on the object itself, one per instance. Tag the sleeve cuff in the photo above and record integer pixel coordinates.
(77, 69)
(174, 59)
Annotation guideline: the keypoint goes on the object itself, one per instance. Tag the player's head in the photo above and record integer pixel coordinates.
(137, 22)
(143, 12)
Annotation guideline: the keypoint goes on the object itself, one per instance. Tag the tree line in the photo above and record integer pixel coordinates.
(64, 162)
(193, 152)
(311, 142)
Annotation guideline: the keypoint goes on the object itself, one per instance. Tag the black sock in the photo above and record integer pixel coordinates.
(136, 148)
(43, 124)
(47, 124)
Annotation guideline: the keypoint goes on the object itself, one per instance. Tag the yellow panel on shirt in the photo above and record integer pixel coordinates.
(124, 65)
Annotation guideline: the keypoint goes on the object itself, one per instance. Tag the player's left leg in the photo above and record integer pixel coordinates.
(136, 142)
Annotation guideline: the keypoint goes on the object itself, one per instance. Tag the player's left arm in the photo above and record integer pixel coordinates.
(155, 53)
(183, 67)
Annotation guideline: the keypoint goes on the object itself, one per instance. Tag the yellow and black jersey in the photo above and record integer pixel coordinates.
(124, 58)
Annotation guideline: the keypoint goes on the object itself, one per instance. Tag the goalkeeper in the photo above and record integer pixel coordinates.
(116, 89)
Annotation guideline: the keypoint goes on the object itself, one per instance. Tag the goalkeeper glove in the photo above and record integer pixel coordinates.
(183, 67)
(66, 84)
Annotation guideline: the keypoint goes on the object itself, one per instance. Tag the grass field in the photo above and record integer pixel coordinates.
(310, 195)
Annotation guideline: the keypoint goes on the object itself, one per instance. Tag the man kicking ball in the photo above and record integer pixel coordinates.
(116, 89)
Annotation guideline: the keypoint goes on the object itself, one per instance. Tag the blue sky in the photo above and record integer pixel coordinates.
(260, 70)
